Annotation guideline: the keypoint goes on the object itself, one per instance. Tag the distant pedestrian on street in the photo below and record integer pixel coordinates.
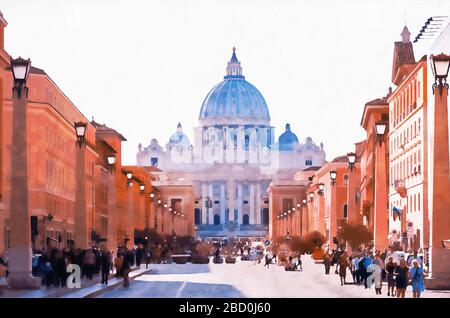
(126, 267)
(366, 262)
(60, 270)
(343, 265)
(148, 256)
(401, 278)
(379, 272)
(105, 264)
(355, 270)
(413, 258)
(138, 254)
(118, 262)
(46, 269)
(390, 268)
(416, 274)
(327, 263)
(267, 259)
(89, 263)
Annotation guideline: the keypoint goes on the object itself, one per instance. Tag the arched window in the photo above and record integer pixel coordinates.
(345, 210)
(245, 219)
(247, 141)
(216, 219)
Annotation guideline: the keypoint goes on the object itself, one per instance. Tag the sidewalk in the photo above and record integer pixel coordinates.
(88, 287)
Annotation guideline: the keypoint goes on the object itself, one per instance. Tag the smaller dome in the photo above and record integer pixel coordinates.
(179, 138)
(287, 140)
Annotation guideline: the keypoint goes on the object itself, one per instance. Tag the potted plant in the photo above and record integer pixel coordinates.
(201, 254)
(231, 257)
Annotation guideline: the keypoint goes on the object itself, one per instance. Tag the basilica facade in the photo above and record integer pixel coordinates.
(234, 158)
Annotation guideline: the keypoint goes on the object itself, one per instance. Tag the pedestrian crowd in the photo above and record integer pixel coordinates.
(397, 270)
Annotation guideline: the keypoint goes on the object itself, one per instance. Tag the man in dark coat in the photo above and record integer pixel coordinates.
(126, 267)
(105, 263)
(138, 256)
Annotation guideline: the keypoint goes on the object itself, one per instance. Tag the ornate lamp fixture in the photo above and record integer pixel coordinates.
(333, 176)
(440, 65)
(351, 157)
(380, 128)
(321, 188)
(20, 69)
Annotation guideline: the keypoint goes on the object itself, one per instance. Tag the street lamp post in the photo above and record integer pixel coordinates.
(81, 225)
(20, 252)
(439, 276)
(380, 213)
(111, 240)
(305, 215)
(158, 214)
(130, 218)
(152, 209)
(164, 220)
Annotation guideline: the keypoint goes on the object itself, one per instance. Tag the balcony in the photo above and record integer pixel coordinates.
(399, 186)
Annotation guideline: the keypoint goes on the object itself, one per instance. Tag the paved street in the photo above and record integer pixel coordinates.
(244, 279)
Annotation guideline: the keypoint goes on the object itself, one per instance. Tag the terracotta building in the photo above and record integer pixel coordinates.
(287, 217)
(408, 127)
(109, 181)
(373, 155)
(4, 62)
(51, 154)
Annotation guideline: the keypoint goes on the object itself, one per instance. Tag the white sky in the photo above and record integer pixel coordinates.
(143, 66)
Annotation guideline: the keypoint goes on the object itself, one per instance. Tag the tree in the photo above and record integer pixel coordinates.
(355, 235)
(299, 245)
(315, 239)
(279, 240)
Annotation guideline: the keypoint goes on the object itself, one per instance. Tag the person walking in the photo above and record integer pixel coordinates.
(343, 265)
(413, 258)
(366, 262)
(89, 263)
(126, 267)
(378, 272)
(267, 261)
(401, 278)
(105, 263)
(118, 262)
(327, 262)
(148, 256)
(60, 269)
(390, 268)
(138, 253)
(355, 269)
(299, 262)
(45, 268)
(416, 274)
